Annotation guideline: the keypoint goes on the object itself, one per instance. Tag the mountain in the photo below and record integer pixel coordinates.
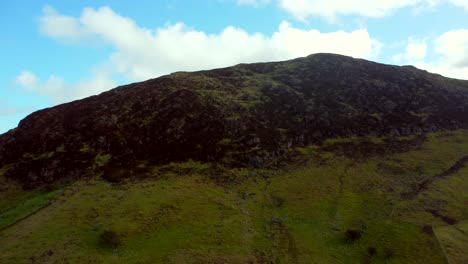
(246, 115)
(322, 159)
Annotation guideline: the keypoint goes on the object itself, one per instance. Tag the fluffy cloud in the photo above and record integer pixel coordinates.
(61, 91)
(460, 3)
(59, 26)
(142, 53)
(449, 54)
(302, 9)
(452, 48)
(416, 51)
(293, 42)
(330, 9)
(453, 45)
(27, 79)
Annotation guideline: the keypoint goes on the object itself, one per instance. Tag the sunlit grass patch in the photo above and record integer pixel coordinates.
(454, 241)
(26, 205)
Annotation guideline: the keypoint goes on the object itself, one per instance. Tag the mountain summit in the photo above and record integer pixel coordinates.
(245, 115)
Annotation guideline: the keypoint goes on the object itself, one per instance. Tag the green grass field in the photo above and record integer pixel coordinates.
(297, 214)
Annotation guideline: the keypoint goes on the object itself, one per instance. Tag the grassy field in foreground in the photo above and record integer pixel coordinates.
(300, 214)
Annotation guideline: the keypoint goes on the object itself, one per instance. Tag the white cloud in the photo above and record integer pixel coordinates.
(142, 53)
(293, 42)
(452, 48)
(460, 3)
(449, 54)
(302, 9)
(330, 9)
(416, 51)
(59, 26)
(61, 91)
(453, 45)
(27, 79)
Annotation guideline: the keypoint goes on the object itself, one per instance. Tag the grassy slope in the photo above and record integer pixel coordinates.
(454, 240)
(16, 204)
(298, 215)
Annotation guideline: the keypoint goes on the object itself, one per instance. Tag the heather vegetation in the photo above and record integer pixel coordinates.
(249, 115)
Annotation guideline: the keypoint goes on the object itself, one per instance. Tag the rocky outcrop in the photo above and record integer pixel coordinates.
(246, 115)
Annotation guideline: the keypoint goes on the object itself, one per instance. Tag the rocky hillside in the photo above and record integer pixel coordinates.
(246, 115)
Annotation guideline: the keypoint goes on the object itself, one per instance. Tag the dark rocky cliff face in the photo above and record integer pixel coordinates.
(246, 115)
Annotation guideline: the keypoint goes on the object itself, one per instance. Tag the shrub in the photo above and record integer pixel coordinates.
(221, 175)
(353, 234)
(115, 175)
(372, 251)
(102, 159)
(110, 239)
(428, 229)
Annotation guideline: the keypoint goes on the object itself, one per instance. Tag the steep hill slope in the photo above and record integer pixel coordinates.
(246, 115)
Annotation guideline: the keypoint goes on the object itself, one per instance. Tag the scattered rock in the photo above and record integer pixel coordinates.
(245, 196)
(276, 220)
(277, 201)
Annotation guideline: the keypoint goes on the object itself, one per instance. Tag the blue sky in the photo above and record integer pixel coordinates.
(53, 52)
